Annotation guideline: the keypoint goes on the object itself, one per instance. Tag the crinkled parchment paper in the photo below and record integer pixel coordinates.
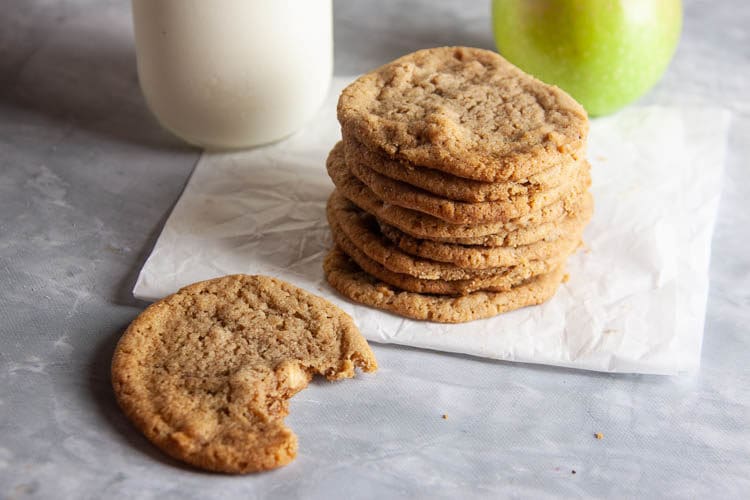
(636, 298)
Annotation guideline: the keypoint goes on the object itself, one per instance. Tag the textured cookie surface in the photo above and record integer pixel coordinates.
(519, 237)
(479, 257)
(453, 187)
(550, 230)
(352, 282)
(529, 228)
(364, 232)
(502, 280)
(465, 111)
(459, 212)
(206, 373)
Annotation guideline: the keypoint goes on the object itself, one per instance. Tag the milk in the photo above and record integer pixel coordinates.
(233, 73)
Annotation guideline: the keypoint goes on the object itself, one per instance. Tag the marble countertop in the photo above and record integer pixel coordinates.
(87, 178)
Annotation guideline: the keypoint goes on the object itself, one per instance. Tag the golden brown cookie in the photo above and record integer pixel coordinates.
(364, 232)
(206, 373)
(519, 237)
(453, 187)
(524, 230)
(503, 279)
(478, 257)
(459, 212)
(464, 111)
(346, 277)
(525, 236)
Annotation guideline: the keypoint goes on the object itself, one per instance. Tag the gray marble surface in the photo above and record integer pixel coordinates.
(87, 178)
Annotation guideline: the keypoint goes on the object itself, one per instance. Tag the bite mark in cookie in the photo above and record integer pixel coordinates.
(206, 373)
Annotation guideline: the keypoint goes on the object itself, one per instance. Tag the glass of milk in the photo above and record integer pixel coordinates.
(233, 73)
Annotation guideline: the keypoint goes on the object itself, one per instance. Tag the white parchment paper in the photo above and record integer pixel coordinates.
(636, 298)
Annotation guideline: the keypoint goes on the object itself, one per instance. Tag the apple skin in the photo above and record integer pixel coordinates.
(605, 53)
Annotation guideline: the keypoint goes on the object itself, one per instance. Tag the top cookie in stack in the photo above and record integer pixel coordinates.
(461, 186)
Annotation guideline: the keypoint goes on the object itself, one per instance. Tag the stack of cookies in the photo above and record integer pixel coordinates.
(461, 187)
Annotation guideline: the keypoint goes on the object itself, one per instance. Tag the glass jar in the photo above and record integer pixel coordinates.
(233, 73)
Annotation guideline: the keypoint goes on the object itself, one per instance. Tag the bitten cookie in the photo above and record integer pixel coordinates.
(206, 373)
(465, 111)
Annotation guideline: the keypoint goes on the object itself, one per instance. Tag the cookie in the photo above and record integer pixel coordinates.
(477, 257)
(452, 187)
(346, 277)
(529, 228)
(464, 111)
(525, 236)
(520, 237)
(459, 212)
(206, 373)
(504, 279)
(363, 230)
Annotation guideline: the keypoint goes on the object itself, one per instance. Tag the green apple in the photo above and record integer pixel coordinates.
(605, 53)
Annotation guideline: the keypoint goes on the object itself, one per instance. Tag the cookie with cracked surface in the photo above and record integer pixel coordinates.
(453, 187)
(478, 257)
(206, 373)
(531, 227)
(459, 212)
(464, 111)
(504, 279)
(519, 237)
(525, 236)
(364, 232)
(351, 281)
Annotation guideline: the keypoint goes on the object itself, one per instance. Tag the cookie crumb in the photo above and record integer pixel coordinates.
(566, 278)
(445, 416)
(598, 435)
